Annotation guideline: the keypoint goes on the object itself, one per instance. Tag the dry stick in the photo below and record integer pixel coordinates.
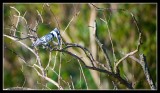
(69, 86)
(55, 60)
(138, 46)
(72, 82)
(76, 14)
(83, 74)
(115, 85)
(116, 76)
(22, 17)
(17, 19)
(29, 36)
(59, 75)
(40, 16)
(43, 85)
(114, 56)
(80, 77)
(145, 68)
(92, 32)
(68, 25)
(86, 51)
(70, 21)
(46, 78)
(146, 71)
(54, 16)
(113, 52)
(50, 54)
(103, 49)
(133, 58)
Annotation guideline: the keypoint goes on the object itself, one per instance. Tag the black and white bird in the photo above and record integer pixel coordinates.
(47, 38)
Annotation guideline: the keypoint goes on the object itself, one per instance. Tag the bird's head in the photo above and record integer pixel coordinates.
(56, 34)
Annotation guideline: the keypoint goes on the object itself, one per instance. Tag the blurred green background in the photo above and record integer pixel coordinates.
(123, 32)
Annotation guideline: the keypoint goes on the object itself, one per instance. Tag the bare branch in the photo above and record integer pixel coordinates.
(114, 56)
(116, 76)
(53, 15)
(72, 82)
(46, 78)
(109, 66)
(17, 19)
(71, 21)
(83, 74)
(40, 16)
(146, 71)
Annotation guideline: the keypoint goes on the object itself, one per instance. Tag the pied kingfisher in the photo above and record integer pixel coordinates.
(47, 38)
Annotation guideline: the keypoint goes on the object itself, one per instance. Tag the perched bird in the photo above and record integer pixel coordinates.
(47, 38)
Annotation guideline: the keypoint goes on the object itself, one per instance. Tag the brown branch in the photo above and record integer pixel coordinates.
(86, 51)
(116, 76)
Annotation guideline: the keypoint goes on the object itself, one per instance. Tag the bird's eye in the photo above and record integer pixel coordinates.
(57, 33)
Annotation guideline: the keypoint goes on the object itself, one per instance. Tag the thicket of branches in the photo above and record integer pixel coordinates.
(90, 56)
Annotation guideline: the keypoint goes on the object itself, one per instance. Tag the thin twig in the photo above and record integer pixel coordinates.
(17, 19)
(80, 77)
(70, 22)
(114, 56)
(50, 54)
(83, 74)
(103, 49)
(40, 16)
(46, 78)
(54, 16)
(72, 82)
(55, 60)
(59, 75)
